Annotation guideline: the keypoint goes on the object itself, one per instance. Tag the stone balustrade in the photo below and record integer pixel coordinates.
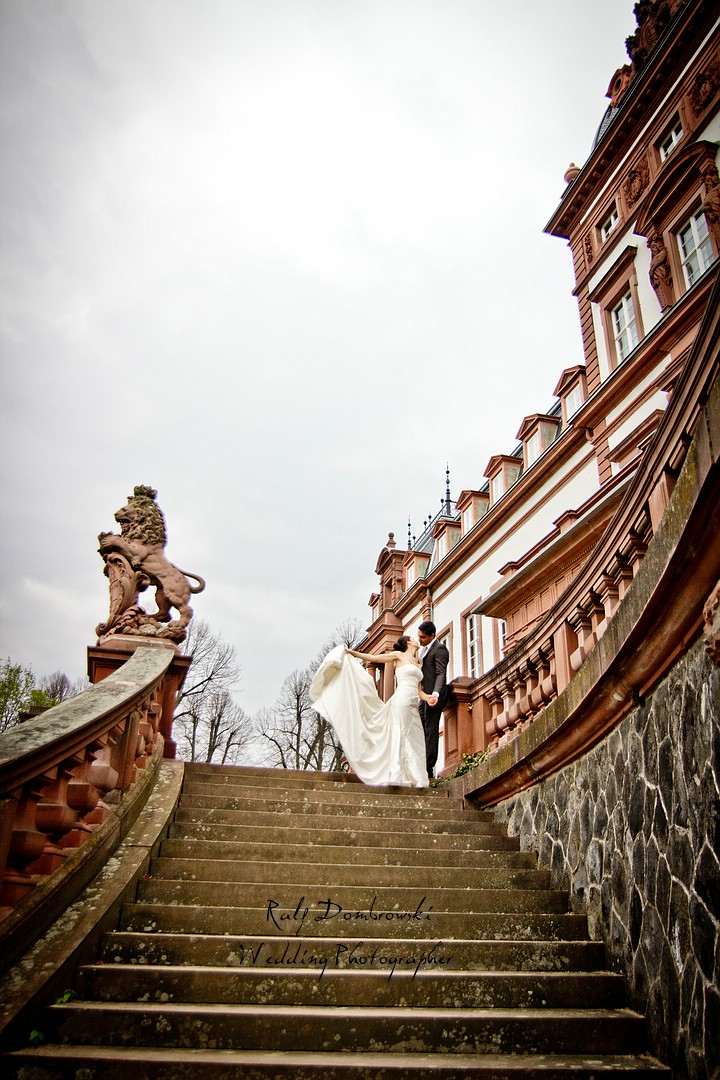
(63, 773)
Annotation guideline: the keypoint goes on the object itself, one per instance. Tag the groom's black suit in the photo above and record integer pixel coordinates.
(434, 668)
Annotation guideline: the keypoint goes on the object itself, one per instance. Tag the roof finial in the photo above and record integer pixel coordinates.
(447, 488)
(409, 533)
(390, 540)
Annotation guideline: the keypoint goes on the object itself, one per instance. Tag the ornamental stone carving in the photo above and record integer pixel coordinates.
(652, 18)
(660, 272)
(588, 249)
(635, 183)
(704, 87)
(711, 199)
(135, 560)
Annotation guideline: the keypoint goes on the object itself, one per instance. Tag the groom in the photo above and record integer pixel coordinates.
(435, 659)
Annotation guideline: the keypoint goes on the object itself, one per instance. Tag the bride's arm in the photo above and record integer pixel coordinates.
(374, 658)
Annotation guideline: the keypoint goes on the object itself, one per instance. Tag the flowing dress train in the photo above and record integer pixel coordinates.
(383, 741)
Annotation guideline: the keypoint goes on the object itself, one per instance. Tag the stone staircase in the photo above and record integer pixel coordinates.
(301, 925)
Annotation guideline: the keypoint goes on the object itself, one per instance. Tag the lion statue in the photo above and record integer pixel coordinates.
(135, 560)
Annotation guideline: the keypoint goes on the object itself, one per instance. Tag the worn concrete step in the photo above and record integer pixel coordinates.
(418, 981)
(394, 902)
(333, 796)
(223, 950)
(376, 809)
(305, 1027)
(328, 875)
(147, 1063)
(200, 768)
(338, 855)
(216, 825)
(197, 919)
(324, 788)
(289, 779)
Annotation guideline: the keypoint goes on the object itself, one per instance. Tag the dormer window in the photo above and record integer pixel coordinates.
(502, 471)
(445, 535)
(572, 391)
(667, 143)
(609, 223)
(472, 505)
(574, 399)
(537, 433)
(415, 565)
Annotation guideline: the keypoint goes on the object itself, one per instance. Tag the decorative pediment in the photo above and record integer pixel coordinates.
(683, 171)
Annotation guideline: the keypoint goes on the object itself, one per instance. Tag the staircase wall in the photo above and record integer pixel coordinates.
(632, 830)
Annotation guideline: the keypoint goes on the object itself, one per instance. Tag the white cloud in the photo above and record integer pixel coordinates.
(283, 261)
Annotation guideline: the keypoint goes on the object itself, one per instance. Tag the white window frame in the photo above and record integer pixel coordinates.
(609, 224)
(670, 139)
(534, 447)
(624, 326)
(697, 259)
(473, 624)
(573, 400)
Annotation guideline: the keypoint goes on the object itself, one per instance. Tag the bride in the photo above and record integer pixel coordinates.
(383, 741)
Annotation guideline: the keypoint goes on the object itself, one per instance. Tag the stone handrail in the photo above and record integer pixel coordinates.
(491, 712)
(62, 773)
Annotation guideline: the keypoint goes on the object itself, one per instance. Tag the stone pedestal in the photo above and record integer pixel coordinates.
(112, 652)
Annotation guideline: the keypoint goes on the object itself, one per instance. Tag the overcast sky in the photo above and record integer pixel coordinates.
(281, 260)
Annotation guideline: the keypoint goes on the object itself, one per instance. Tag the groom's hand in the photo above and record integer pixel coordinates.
(433, 700)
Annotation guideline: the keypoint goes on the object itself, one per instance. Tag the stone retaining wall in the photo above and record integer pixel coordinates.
(633, 830)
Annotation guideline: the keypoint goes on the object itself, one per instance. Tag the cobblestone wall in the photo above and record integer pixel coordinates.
(633, 830)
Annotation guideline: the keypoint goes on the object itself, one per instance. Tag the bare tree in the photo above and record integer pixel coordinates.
(298, 737)
(58, 687)
(209, 725)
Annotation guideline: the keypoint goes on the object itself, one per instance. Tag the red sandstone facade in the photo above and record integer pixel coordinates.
(524, 572)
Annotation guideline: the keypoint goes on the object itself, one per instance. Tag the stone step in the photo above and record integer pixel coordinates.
(214, 950)
(213, 824)
(332, 876)
(314, 1028)
(148, 1063)
(289, 779)
(346, 810)
(336, 854)
(400, 981)
(393, 903)
(164, 917)
(422, 799)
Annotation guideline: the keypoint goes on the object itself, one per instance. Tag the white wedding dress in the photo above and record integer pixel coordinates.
(383, 741)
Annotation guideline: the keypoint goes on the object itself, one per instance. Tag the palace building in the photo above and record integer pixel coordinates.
(512, 570)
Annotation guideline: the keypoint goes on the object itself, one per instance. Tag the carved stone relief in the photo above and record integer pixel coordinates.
(711, 198)
(704, 87)
(635, 182)
(660, 272)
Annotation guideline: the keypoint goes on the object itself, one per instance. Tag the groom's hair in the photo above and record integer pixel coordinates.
(402, 643)
(428, 627)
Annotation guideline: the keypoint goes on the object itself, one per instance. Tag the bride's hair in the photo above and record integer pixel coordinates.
(402, 643)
